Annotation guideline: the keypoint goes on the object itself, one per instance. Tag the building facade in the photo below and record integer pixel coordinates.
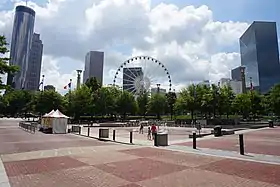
(260, 55)
(129, 76)
(23, 29)
(236, 73)
(94, 62)
(34, 64)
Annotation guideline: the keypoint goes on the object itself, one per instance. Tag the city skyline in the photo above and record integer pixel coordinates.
(192, 50)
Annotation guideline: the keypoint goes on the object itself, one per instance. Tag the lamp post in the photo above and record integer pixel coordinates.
(78, 78)
(42, 90)
(243, 83)
(158, 88)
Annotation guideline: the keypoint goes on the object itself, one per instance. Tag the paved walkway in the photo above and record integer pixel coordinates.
(106, 164)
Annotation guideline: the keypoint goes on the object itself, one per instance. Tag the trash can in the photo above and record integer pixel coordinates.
(104, 133)
(270, 123)
(217, 131)
(161, 139)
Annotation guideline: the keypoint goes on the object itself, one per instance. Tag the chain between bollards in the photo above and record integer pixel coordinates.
(194, 140)
(241, 144)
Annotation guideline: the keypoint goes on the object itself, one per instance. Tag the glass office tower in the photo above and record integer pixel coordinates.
(260, 55)
(23, 29)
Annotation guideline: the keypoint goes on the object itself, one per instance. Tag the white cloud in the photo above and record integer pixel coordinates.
(187, 40)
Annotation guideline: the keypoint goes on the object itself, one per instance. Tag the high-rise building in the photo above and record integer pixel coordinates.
(236, 73)
(129, 76)
(260, 55)
(224, 82)
(20, 45)
(34, 64)
(94, 62)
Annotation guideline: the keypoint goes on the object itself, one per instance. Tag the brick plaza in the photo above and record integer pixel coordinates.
(46, 160)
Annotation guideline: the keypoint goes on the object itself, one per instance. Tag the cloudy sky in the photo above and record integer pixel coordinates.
(194, 39)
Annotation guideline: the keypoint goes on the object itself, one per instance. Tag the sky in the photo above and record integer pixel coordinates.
(194, 39)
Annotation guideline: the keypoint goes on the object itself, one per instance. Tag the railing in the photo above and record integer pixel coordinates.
(27, 126)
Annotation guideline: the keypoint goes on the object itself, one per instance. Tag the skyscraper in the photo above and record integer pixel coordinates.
(20, 45)
(260, 55)
(94, 62)
(236, 73)
(34, 64)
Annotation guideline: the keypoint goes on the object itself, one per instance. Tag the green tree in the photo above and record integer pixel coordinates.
(93, 84)
(171, 99)
(81, 102)
(142, 102)
(157, 104)
(225, 100)
(106, 102)
(257, 107)
(126, 104)
(274, 100)
(242, 104)
(18, 102)
(4, 65)
(48, 100)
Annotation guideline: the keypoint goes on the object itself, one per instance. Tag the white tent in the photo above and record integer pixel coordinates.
(48, 114)
(57, 121)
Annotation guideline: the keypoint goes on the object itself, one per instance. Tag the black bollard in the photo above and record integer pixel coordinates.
(155, 139)
(114, 135)
(241, 144)
(194, 140)
(80, 129)
(88, 131)
(130, 137)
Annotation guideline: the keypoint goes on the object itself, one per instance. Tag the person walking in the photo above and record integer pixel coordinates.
(154, 130)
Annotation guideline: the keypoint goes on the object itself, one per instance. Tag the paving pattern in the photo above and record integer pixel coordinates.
(104, 164)
(259, 142)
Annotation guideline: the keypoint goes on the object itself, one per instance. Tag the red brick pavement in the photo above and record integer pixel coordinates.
(131, 185)
(245, 169)
(40, 165)
(258, 142)
(140, 169)
(146, 152)
(152, 170)
(18, 147)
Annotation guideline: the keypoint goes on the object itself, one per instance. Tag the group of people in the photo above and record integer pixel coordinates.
(151, 131)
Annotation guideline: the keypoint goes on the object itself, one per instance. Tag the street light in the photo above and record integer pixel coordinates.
(158, 85)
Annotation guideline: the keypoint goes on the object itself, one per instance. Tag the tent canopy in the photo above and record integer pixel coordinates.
(55, 114)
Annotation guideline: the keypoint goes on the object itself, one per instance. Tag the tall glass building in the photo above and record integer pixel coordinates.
(20, 45)
(260, 55)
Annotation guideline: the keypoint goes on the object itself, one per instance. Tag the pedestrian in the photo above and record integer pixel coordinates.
(154, 130)
(149, 134)
(141, 128)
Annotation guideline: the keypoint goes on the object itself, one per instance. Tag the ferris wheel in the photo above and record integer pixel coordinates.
(143, 74)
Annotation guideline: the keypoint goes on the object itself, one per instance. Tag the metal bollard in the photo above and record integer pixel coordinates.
(80, 129)
(88, 131)
(194, 140)
(241, 144)
(155, 139)
(114, 135)
(130, 136)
